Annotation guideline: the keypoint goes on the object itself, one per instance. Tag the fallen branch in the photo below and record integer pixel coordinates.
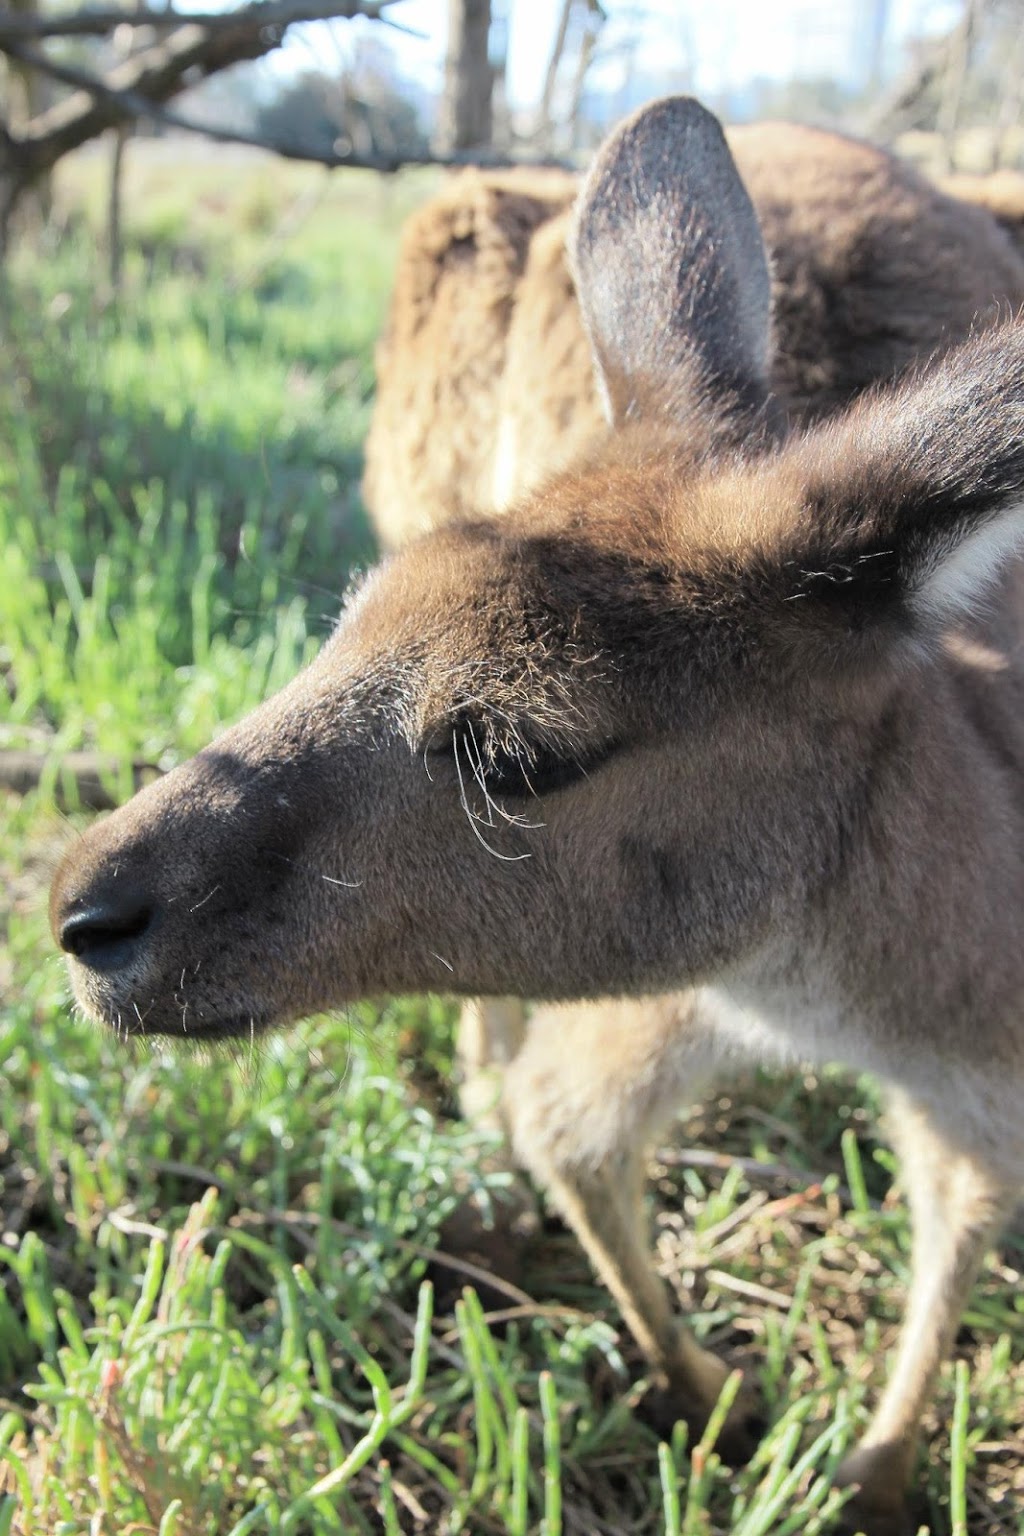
(80, 779)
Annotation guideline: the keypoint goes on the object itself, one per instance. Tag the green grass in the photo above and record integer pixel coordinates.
(224, 1308)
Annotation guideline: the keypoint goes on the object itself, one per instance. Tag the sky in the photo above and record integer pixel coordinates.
(710, 47)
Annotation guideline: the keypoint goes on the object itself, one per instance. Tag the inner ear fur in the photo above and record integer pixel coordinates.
(672, 274)
(913, 501)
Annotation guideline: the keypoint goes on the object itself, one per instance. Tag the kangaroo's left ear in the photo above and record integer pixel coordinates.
(672, 275)
(913, 500)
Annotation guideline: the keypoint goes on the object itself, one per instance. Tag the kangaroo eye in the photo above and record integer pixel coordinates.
(509, 767)
(539, 773)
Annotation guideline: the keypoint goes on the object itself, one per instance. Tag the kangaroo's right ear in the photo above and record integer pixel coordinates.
(672, 274)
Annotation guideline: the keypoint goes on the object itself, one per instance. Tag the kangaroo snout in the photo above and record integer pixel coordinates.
(107, 909)
(107, 928)
(165, 907)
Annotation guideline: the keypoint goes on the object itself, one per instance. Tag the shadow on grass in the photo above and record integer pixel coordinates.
(263, 501)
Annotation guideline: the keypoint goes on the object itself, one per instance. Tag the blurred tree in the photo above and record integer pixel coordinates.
(24, 95)
(501, 115)
(365, 109)
(1010, 98)
(465, 119)
(572, 52)
(962, 42)
(173, 51)
(964, 87)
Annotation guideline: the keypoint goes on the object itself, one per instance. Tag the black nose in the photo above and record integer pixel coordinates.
(105, 934)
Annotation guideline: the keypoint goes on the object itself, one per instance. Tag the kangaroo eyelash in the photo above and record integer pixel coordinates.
(512, 766)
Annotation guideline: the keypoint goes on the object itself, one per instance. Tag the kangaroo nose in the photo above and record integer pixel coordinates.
(105, 933)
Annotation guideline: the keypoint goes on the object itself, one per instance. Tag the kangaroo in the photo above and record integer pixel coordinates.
(485, 383)
(718, 711)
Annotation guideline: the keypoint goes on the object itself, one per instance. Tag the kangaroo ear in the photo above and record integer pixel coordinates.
(913, 501)
(671, 271)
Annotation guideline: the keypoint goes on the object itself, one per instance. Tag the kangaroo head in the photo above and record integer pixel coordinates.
(608, 744)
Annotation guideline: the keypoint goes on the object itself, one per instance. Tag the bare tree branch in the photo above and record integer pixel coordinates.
(152, 75)
(198, 44)
(895, 108)
(544, 112)
(120, 103)
(95, 22)
(956, 78)
(595, 20)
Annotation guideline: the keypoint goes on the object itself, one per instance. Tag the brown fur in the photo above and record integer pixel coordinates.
(485, 357)
(1000, 192)
(470, 243)
(698, 714)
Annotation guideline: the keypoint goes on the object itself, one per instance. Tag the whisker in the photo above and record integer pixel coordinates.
(506, 858)
(272, 853)
(513, 819)
(468, 741)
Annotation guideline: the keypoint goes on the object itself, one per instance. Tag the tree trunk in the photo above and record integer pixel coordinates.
(1011, 100)
(27, 95)
(12, 184)
(956, 78)
(27, 90)
(501, 116)
(585, 57)
(115, 207)
(464, 120)
(545, 115)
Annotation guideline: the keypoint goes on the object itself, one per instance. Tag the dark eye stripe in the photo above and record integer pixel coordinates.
(507, 774)
(534, 769)
(511, 772)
